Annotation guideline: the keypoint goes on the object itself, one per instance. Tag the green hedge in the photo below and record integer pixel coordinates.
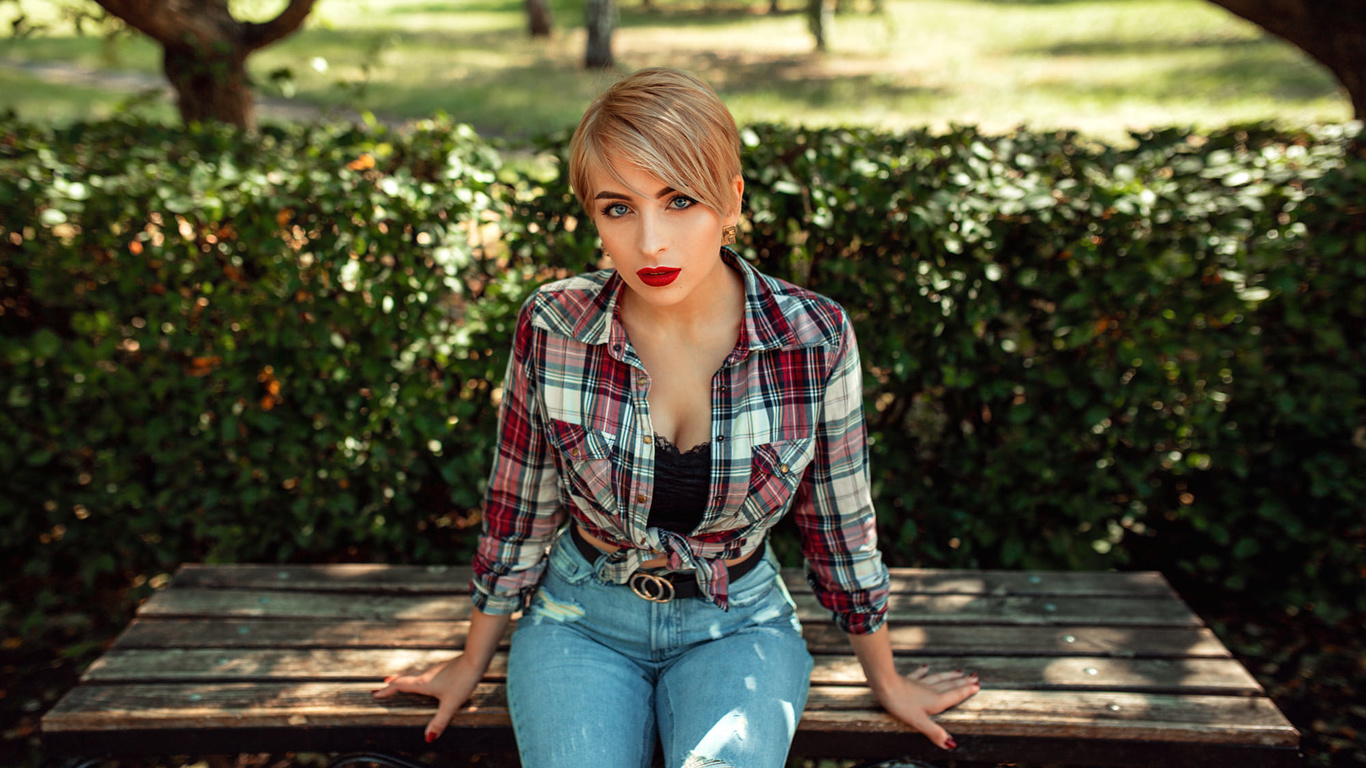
(287, 346)
(226, 348)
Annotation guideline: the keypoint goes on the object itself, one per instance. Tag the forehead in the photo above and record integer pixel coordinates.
(629, 181)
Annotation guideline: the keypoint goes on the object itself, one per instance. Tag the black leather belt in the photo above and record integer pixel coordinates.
(663, 587)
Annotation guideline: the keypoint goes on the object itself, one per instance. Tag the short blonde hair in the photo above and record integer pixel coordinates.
(667, 123)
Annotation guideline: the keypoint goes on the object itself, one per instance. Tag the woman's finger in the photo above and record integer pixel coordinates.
(442, 718)
(932, 730)
(400, 684)
(919, 672)
(953, 695)
(937, 678)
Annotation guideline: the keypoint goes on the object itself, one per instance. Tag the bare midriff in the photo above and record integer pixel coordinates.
(658, 562)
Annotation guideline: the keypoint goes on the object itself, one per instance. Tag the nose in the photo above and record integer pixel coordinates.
(653, 235)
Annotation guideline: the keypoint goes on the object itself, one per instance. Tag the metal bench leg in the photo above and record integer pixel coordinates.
(374, 758)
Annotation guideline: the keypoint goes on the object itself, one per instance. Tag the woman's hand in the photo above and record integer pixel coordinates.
(450, 684)
(913, 698)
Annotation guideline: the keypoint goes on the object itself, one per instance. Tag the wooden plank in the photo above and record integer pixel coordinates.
(1192, 676)
(1078, 715)
(1071, 714)
(412, 579)
(202, 706)
(1013, 640)
(923, 609)
(927, 640)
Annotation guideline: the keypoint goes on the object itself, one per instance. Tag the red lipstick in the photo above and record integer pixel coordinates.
(658, 277)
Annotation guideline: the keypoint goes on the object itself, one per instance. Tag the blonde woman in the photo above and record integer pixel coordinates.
(658, 418)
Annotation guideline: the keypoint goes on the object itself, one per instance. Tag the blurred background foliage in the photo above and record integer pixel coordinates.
(286, 347)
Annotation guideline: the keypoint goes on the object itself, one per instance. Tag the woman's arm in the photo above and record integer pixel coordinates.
(452, 683)
(914, 697)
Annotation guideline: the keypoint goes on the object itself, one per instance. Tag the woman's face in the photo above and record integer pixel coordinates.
(664, 244)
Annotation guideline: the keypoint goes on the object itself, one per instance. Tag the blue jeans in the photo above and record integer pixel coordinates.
(596, 673)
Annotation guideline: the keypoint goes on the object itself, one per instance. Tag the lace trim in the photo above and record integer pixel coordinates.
(664, 444)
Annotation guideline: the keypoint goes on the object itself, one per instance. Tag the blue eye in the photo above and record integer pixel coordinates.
(615, 210)
(681, 202)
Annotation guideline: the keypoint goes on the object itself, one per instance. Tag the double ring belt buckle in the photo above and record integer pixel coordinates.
(648, 586)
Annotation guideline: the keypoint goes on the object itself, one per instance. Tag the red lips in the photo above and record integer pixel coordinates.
(658, 277)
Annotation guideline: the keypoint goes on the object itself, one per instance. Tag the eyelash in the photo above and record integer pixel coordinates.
(607, 209)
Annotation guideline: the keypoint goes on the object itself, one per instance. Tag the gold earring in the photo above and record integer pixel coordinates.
(728, 234)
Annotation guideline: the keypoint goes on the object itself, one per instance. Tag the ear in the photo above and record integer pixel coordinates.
(738, 183)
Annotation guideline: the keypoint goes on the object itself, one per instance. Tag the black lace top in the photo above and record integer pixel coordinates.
(682, 481)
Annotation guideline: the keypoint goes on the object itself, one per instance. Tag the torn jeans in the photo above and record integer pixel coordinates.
(599, 676)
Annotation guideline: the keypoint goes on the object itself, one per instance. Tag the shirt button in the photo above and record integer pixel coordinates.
(648, 439)
(782, 468)
(640, 498)
(719, 438)
(574, 452)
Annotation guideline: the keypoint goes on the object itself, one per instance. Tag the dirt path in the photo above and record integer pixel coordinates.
(123, 81)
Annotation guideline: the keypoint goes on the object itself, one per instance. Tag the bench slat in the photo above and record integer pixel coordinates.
(931, 640)
(414, 579)
(1075, 714)
(1194, 676)
(921, 609)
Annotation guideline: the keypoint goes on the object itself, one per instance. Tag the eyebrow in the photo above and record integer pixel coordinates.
(620, 196)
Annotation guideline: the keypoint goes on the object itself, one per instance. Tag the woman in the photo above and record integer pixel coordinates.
(672, 410)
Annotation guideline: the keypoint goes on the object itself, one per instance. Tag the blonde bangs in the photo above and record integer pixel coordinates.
(666, 123)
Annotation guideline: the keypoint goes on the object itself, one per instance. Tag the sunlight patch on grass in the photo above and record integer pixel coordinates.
(1100, 66)
(36, 99)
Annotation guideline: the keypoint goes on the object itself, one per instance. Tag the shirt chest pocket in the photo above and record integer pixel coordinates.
(776, 469)
(585, 461)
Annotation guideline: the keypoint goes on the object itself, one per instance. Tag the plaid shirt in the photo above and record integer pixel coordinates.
(574, 436)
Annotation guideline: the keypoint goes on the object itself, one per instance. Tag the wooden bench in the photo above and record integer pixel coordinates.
(1104, 669)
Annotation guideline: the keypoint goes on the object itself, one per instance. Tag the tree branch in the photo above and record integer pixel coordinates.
(174, 23)
(1289, 20)
(151, 19)
(1332, 32)
(291, 18)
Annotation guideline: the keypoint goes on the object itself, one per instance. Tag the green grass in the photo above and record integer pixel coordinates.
(1098, 66)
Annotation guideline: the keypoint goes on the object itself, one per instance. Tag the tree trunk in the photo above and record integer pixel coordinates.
(773, 6)
(210, 85)
(538, 18)
(205, 51)
(1333, 32)
(601, 17)
(819, 19)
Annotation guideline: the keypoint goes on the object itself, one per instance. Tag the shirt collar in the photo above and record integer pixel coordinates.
(591, 317)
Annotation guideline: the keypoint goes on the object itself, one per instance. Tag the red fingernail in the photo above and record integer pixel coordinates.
(431, 737)
(951, 744)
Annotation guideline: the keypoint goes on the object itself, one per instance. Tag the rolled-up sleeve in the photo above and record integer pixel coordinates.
(522, 509)
(834, 506)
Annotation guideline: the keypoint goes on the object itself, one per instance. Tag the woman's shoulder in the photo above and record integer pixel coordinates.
(812, 317)
(564, 305)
